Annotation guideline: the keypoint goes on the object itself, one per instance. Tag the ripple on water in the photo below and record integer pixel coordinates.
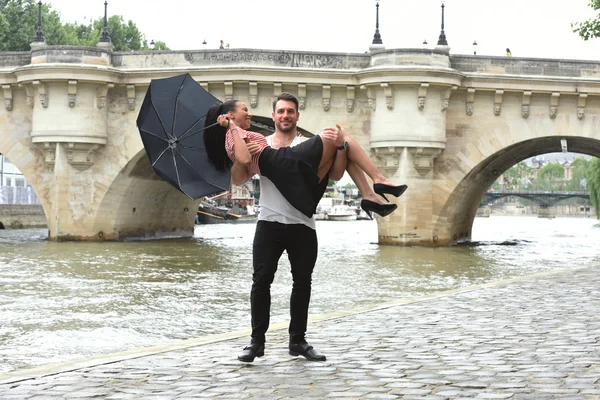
(79, 299)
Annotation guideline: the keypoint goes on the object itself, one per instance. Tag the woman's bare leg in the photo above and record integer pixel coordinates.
(358, 176)
(357, 155)
(329, 153)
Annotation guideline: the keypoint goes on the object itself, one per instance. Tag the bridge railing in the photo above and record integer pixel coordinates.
(574, 192)
(18, 195)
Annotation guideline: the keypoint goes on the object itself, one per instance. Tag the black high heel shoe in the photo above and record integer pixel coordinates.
(382, 188)
(382, 210)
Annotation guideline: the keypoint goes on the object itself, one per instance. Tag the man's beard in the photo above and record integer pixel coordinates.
(286, 130)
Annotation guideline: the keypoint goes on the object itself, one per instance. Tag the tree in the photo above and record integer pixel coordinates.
(18, 25)
(591, 28)
(593, 183)
(516, 174)
(549, 175)
(579, 169)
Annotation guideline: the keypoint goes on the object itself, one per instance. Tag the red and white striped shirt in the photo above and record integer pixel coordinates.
(246, 136)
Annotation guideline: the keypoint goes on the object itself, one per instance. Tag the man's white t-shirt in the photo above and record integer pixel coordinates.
(274, 207)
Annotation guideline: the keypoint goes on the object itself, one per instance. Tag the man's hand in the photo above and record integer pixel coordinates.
(336, 135)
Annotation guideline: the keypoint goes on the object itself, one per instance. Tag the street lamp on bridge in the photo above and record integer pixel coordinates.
(442, 39)
(105, 37)
(377, 36)
(39, 35)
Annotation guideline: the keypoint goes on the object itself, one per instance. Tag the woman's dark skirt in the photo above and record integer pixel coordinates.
(294, 171)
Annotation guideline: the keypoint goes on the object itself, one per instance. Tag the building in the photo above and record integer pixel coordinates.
(10, 175)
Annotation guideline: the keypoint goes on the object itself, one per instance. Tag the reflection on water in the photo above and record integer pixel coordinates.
(62, 301)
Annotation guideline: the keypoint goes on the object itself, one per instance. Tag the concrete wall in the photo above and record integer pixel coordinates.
(22, 216)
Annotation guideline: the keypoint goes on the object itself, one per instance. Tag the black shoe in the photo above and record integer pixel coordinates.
(307, 351)
(381, 189)
(251, 352)
(381, 209)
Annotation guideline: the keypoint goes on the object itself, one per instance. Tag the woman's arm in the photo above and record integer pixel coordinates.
(240, 150)
(239, 174)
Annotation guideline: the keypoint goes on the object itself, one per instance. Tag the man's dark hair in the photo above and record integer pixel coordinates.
(287, 97)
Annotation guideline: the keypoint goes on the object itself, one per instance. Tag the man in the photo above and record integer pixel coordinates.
(282, 227)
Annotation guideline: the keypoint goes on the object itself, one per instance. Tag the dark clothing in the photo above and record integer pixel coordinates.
(270, 240)
(294, 171)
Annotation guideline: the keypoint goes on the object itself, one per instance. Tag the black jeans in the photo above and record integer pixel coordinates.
(270, 240)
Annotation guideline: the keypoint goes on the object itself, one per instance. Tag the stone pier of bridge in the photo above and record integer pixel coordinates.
(446, 125)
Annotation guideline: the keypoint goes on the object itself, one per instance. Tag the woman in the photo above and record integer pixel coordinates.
(296, 171)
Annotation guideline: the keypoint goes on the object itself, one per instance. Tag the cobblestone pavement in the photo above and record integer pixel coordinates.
(535, 337)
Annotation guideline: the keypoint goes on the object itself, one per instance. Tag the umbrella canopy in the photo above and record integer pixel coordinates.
(171, 124)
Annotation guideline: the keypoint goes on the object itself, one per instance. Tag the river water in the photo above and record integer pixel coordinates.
(64, 301)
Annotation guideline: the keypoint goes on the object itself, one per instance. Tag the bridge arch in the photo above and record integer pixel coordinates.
(455, 218)
(16, 147)
(137, 203)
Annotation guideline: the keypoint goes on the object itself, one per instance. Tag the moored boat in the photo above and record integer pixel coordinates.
(342, 212)
(237, 205)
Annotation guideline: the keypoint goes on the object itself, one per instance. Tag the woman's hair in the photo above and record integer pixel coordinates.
(214, 136)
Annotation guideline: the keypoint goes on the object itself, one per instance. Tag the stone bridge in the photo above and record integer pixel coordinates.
(447, 125)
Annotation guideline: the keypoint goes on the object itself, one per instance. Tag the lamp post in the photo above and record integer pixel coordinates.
(377, 36)
(425, 42)
(105, 37)
(152, 44)
(442, 40)
(39, 34)
(475, 47)
(204, 43)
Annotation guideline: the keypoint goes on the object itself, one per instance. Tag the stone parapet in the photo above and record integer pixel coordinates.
(12, 59)
(246, 57)
(71, 55)
(519, 66)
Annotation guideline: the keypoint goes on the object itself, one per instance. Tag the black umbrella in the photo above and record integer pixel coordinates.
(171, 124)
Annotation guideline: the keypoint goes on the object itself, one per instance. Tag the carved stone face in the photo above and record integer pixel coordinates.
(326, 104)
(445, 104)
(421, 103)
(389, 102)
(497, 109)
(349, 105)
(580, 112)
(8, 104)
(553, 111)
(371, 103)
(470, 108)
(71, 100)
(525, 111)
(302, 103)
(253, 101)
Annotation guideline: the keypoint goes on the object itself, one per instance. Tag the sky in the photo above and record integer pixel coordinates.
(530, 28)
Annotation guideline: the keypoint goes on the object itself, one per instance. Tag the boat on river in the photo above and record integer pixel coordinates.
(342, 212)
(235, 206)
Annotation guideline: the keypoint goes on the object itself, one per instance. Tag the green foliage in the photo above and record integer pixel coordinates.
(579, 170)
(516, 174)
(551, 172)
(593, 184)
(591, 28)
(18, 25)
